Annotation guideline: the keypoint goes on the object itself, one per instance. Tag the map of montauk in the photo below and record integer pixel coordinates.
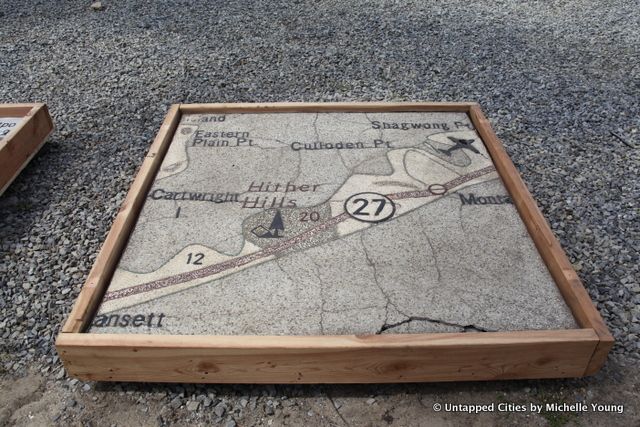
(328, 224)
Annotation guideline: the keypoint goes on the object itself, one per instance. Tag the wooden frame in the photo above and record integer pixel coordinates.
(24, 141)
(334, 359)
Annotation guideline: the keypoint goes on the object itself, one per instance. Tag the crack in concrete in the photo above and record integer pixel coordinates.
(278, 141)
(277, 262)
(464, 328)
(344, 164)
(315, 130)
(322, 299)
(386, 326)
(462, 226)
(375, 279)
(380, 132)
(435, 258)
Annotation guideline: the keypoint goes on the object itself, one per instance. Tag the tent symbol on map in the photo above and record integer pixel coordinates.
(459, 144)
(272, 232)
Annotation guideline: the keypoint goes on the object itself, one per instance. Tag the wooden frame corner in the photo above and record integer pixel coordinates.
(19, 146)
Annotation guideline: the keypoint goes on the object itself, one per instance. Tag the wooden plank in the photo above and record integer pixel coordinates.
(22, 143)
(100, 274)
(302, 107)
(328, 359)
(569, 284)
(16, 110)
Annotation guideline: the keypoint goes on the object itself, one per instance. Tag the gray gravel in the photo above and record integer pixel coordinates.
(559, 80)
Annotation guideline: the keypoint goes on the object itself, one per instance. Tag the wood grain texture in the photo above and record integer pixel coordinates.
(328, 359)
(22, 143)
(17, 110)
(105, 264)
(569, 284)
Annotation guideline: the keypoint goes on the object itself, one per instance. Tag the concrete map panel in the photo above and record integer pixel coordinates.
(329, 223)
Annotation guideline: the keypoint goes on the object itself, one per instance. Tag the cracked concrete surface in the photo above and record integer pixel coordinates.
(437, 265)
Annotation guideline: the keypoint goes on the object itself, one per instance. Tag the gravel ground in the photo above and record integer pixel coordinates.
(560, 81)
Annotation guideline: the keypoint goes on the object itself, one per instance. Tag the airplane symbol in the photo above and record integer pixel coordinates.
(460, 144)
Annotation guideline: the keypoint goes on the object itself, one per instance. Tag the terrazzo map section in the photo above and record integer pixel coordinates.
(329, 223)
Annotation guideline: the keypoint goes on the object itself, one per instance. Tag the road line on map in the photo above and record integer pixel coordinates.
(246, 259)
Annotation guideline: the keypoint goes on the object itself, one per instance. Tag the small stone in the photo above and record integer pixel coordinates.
(193, 405)
(253, 403)
(230, 423)
(371, 401)
(97, 6)
(176, 402)
(60, 374)
(220, 409)
(86, 387)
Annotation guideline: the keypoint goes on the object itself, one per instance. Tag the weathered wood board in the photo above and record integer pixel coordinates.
(300, 243)
(24, 128)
